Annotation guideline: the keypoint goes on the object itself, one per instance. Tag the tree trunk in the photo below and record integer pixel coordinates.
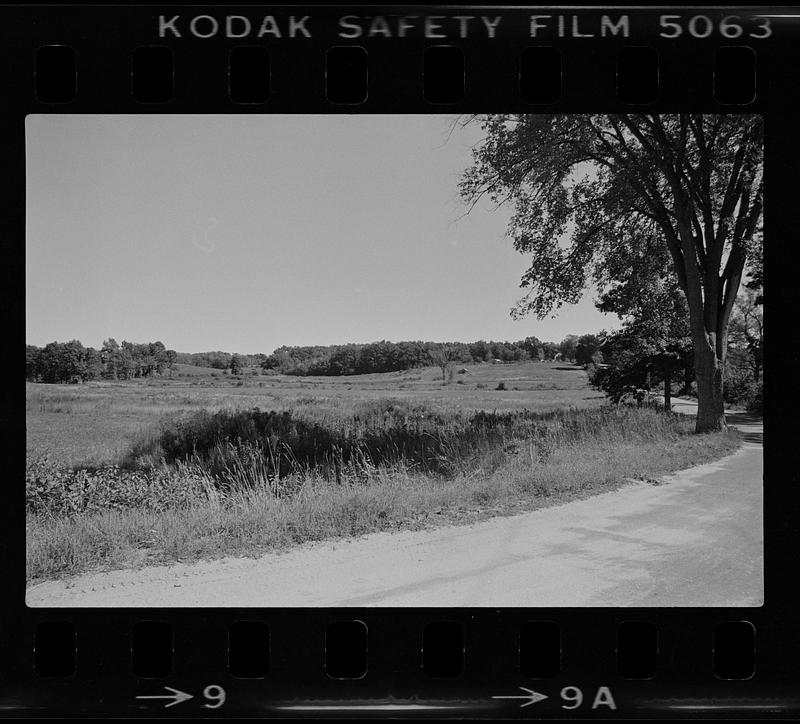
(710, 405)
(667, 391)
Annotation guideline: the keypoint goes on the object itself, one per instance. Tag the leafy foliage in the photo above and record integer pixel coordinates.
(62, 492)
(747, 333)
(237, 364)
(383, 356)
(72, 362)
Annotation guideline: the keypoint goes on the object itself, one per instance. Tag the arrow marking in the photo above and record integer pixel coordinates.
(531, 696)
(177, 696)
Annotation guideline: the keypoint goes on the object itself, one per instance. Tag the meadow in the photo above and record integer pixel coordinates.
(95, 423)
(207, 464)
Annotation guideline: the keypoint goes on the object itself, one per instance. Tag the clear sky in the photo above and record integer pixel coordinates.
(245, 233)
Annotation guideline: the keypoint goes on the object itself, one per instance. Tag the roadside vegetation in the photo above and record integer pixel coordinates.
(241, 480)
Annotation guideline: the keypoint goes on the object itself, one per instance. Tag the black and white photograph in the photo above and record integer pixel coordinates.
(394, 360)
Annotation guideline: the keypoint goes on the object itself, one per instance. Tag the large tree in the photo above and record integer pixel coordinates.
(587, 186)
(567, 346)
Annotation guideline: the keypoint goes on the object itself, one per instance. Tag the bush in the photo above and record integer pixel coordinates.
(49, 489)
(740, 387)
(755, 401)
(380, 433)
(501, 386)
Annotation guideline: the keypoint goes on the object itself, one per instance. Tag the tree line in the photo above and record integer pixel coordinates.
(72, 362)
(220, 360)
(385, 356)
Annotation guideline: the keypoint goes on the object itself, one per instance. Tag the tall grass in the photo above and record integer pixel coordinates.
(246, 481)
(249, 447)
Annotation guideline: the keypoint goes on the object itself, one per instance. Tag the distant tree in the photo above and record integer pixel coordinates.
(158, 354)
(74, 362)
(32, 363)
(50, 366)
(480, 351)
(280, 360)
(126, 364)
(586, 347)
(443, 356)
(133, 352)
(171, 360)
(92, 364)
(549, 350)
(236, 364)
(63, 362)
(567, 346)
(747, 330)
(109, 356)
(533, 347)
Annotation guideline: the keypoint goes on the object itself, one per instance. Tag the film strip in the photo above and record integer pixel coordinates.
(609, 620)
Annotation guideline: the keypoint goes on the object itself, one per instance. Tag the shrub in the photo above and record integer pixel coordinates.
(755, 401)
(62, 492)
(741, 389)
(594, 373)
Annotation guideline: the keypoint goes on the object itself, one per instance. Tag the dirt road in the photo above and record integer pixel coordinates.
(695, 539)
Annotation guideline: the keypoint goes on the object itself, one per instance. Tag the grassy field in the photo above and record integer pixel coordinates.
(95, 423)
(204, 474)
